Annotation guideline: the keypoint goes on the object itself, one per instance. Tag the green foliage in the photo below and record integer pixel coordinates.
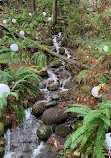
(91, 136)
(39, 58)
(5, 77)
(3, 101)
(82, 75)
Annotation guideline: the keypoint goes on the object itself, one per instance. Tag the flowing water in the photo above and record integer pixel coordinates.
(23, 142)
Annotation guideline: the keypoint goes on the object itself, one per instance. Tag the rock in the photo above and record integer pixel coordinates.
(41, 71)
(50, 104)
(64, 42)
(44, 132)
(62, 130)
(64, 75)
(55, 97)
(2, 152)
(38, 109)
(61, 51)
(53, 87)
(1, 129)
(49, 42)
(55, 64)
(54, 116)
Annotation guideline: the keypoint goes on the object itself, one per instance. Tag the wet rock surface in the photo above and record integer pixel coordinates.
(54, 116)
(44, 132)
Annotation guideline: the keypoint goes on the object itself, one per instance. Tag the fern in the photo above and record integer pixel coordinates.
(5, 77)
(91, 136)
(82, 76)
(39, 58)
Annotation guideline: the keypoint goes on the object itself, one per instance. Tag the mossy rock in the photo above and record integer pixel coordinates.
(1, 129)
(62, 130)
(77, 125)
(44, 132)
(3, 64)
(54, 116)
(53, 87)
(38, 109)
(51, 104)
(49, 42)
(55, 64)
(41, 71)
(2, 151)
(61, 51)
(64, 42)
(86, 89)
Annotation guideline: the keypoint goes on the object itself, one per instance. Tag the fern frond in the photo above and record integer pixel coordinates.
(81, 75)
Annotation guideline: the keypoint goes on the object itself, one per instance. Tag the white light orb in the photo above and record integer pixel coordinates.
(21, 33)
(14, 47)
(87, 56)
(4, 88)
(14, 21)
(105, 48)
(95, 92)
(30, 14)
(44, 13)
(37, 29)
(4, 21)
(49, 19)
(108, 140)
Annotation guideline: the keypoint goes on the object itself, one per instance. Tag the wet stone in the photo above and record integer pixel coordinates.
(51, 104)
(54, 116)
(44, 132)
(53, 87)
(55, 97)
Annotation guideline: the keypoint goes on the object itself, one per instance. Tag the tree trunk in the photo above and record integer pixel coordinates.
(54, 13)
(33, 5)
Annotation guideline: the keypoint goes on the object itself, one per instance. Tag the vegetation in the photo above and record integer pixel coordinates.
(86, 27)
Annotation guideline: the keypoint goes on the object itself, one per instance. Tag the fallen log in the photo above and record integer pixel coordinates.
(47, 50)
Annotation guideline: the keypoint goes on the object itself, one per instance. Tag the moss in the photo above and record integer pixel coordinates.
(62, 130)
(7, 121)
(49, 42)
(61, 51)
(44, 132)
(2, 152)
(37, 68)
(38, 109)
(55, 63)
(3, 141)
(1, 129)
(86, 89)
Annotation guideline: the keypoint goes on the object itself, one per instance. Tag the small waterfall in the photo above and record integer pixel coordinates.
(57, 40)
(24, 142)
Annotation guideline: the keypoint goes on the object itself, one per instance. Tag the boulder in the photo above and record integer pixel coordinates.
(55, 97)
(44, 132)
(54, 116)
(51, 104)
(1, 129)
(53, 87)
(62, 130)
(55, 64)
(49, 42)
(41, 71)
(37, 110)
(61, 51)
(2, 152)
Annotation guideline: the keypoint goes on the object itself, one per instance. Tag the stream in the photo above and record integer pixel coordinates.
(23, 142)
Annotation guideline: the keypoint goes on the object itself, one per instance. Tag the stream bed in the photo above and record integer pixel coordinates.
(23, 142)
